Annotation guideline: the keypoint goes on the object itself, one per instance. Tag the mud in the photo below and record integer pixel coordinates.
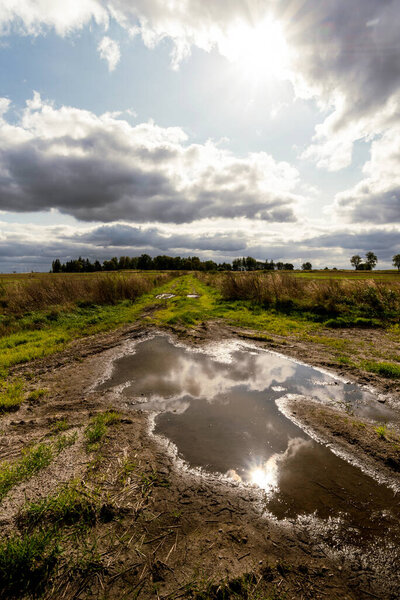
(203, 523)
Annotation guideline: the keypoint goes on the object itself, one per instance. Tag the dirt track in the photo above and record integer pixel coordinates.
(189, 529)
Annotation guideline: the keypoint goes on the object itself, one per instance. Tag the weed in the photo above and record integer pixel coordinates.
(33, 460)
(65, 441)
(386, 369)
(35, 395)
(381, 430)
(72, 503)
(11, 396)
(60, 426)
(150, 480)
(26, 562)
(97, 428)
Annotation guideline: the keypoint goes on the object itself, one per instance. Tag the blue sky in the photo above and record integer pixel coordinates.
(269, 129)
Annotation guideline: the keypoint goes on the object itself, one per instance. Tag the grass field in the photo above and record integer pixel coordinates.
(42, 315)
(57, 537)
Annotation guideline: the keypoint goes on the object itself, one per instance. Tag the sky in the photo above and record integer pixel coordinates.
(264, 128)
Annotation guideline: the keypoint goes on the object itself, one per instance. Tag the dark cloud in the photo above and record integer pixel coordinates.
(385, 243)
(329, 249)
(378, 207)
(109, 170)
(120, 235)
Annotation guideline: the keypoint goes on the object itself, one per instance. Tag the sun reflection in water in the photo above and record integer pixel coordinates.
(265, 476)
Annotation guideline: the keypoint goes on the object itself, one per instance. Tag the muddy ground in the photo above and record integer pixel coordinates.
(170, 532)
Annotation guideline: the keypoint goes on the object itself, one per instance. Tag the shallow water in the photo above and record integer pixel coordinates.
(218, 408)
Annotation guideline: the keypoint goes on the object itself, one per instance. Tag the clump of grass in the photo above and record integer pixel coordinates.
(11, 396)
(35, 395)
(26, 562)
(97, 427)
(65, 441)
(71, 504)
(385, 369)
(60, 426)
(33, 460)
(381, 430)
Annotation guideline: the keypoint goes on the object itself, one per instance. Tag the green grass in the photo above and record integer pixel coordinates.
(59, 426)
(26, 562)
(385, 369)
(32, 460)
(189, 312)
(97, 428)
(381, 430)
(71, 504)
(35, 395)
(39, 334)
(11, 395)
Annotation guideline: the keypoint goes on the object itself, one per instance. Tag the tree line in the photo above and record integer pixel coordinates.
(143, 262)
(166, 263)
(194, 263)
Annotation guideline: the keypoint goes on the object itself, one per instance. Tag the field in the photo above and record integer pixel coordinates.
(91, 508)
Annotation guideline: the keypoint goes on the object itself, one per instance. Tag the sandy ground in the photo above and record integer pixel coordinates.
(190, 529)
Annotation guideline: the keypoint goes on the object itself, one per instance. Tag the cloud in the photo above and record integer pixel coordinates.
(35, 17)
(104, 169)
(376, 198)
(110, 52)
(27, 247)
(121, 235)
(343, 54)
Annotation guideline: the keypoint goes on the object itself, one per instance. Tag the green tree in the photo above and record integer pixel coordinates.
(307, 266)
(396, 261)
(356, 261)
(56, 266)
(371, 260)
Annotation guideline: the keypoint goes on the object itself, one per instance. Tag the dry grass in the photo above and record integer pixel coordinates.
(331, 297)
(38, 294)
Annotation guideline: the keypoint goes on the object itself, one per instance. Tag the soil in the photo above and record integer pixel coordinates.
(191, 529)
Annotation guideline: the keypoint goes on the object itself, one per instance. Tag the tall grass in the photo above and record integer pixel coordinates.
(49, 291)
(362, 300)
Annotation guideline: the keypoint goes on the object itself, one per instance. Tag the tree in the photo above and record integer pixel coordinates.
(396, 261)
(288, 267)
(56, 266)
(250, 263)
(355, 261)
(307, 266)
(371, 260)
(145, 262)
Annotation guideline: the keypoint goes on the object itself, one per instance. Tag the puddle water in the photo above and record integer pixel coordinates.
(165, 296)
(192, 296)
(218, 407)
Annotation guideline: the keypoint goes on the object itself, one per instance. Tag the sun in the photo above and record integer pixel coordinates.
(260, 51)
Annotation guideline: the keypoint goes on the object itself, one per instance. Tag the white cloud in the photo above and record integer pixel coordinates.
(104, 169)
(34, 17)
(110, 52)
(376, 198)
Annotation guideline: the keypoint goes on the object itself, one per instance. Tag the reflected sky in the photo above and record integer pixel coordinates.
(218, 407)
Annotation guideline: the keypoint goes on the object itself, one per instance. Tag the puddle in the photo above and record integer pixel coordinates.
(218, 407)
(165, 296)
(193, 296)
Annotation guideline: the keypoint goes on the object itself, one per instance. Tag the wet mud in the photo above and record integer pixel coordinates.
(219, 408)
